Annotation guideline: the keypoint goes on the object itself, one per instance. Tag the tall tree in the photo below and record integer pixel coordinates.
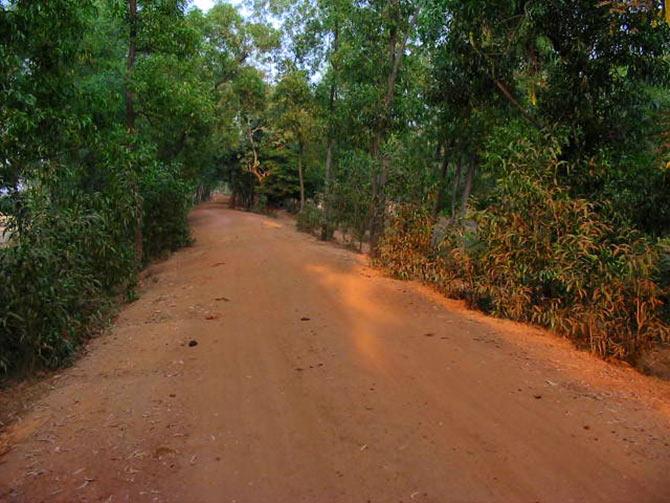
(293, 109)
(130, 119)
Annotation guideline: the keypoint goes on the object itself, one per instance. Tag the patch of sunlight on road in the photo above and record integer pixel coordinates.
(271, 225)
(368, 322)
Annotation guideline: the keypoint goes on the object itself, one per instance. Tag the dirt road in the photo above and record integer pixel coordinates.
(312, 378)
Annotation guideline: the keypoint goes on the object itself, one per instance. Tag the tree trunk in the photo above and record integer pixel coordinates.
(251, 196)
(378, 213)
(130, 64)
(329, 161)
(454, 192)
(441, 199)
(302, 180)
(130, 123)
(397, 44)
(469, 178)
(327, 227)
(508, 95)
(377, 205)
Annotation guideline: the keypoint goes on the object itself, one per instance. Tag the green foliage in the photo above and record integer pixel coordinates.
(76, 181)
(283, 184)
(350, 193)
(167, 200)
(59, 275)
(521, 147)
(663, 276)
(309, 219)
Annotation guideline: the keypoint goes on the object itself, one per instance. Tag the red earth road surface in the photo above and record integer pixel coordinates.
(261, 365)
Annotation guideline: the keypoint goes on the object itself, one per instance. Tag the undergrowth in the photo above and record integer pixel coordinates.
(535, 254)
(71, 258)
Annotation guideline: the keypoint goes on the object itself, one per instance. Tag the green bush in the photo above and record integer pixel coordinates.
(73, 256)
(57, 279)
(309, 219)
(348, 198)
(167, 201)
(263, 206)
(663, 278)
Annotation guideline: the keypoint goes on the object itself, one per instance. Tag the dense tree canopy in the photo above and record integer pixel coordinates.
(513, 153)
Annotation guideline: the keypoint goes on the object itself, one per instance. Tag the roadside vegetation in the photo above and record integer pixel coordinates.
(515, 154)
(113, 119)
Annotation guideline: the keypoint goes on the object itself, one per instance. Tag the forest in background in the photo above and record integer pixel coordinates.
(515, 154)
